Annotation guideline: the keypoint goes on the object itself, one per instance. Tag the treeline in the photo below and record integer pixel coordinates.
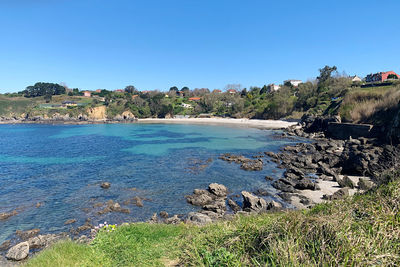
(316, 96)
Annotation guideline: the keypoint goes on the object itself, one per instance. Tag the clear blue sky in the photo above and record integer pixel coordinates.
(209, 43)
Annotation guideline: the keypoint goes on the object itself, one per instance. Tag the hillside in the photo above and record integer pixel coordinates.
(358, 231)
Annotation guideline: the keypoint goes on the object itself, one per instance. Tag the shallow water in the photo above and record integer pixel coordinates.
(62, 166)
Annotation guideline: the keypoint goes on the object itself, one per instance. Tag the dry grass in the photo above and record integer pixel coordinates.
(367, 103)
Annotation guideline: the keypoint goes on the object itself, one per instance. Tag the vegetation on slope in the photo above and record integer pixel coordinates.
(358, 231)
(329, 94)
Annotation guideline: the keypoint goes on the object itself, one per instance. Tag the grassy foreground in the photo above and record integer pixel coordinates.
(359, 231)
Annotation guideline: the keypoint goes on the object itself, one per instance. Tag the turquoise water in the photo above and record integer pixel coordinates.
(62, 166)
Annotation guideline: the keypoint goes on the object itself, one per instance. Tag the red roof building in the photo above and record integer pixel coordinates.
(382, 76)
(194, 98)
(232, 91)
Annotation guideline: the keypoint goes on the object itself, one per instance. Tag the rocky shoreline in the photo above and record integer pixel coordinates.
(317, 170)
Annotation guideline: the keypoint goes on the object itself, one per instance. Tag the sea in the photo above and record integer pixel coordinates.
(52, 173)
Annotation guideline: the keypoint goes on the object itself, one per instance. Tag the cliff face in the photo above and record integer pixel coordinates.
(97, 113)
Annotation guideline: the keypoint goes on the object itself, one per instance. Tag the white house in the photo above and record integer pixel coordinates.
(355, 78)
(274, 87)
(294, 83)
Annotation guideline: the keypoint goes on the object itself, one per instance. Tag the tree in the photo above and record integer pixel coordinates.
(173, 89)
(41, 89)
(325, 76)
(392, 76)
(130, 89)
(264, 90)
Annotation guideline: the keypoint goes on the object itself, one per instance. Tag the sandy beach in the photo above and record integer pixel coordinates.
(262, 124)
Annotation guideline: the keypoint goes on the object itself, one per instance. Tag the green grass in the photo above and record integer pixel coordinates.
(359, 231)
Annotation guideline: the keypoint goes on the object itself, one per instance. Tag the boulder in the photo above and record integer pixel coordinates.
(365, 184)
(105, 185)
(199, 199)
(284, 185)
(346, 182)
(18, 252)
(198, 218)
(252, 203)
(306, 183)
(218, 189)
(340, 194)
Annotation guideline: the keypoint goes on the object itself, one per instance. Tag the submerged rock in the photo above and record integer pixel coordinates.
(105, 185)
(24, 235)
(6, 215)
(18, 252)
(71, 221)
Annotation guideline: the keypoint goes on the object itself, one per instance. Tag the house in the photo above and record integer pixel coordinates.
(294, 83)
(87, 94)
(231, 91)
(355, 78)
(119, 91)
(194, 98)
(274, 87)
(69, 104)
(217, 91)
(186, 105)
(180, 93)
(381, 76)
(98, 91)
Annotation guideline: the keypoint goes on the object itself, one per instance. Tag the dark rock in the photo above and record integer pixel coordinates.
(25, 235)
(269, 178)
(284, 185)
(5, 245)
(18, 252)
(306, 184)
(252, 203)
(105, 185)
(340, 194)
(261, 192)
(164, 214)
(233, 205)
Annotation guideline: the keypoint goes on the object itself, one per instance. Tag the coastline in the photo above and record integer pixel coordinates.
(262, 124)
